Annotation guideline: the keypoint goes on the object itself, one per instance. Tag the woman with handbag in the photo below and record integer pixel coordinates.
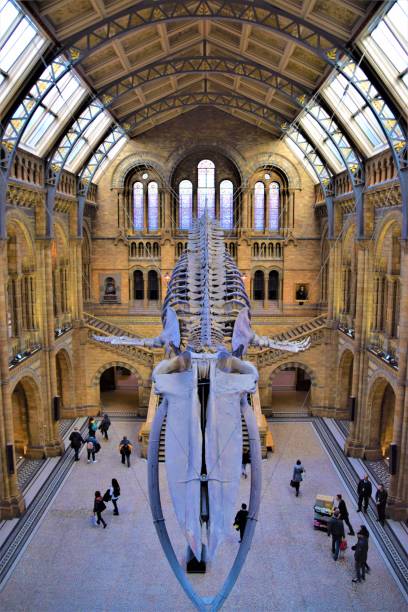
(297, 477)
(99, 507)
(114, 495)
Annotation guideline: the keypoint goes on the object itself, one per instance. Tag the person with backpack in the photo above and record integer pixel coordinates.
(125, 449)
(104, 426)
(240, 521)
(92, 448)
(99, 507)
(76, 441)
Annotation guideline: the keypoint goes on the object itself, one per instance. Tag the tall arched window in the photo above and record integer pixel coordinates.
(274, 206)
(153, 206)
(138, 206)
(206, 188)
(185, 204)
(138, 286)
(259, 206)
(226, 204)
(152, 285)
(259, 286)
(273, 285)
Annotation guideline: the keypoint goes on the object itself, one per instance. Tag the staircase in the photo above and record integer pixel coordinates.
(302, 330)
(162, 457)
(106, 328)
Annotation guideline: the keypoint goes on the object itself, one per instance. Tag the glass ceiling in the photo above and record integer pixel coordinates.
(384, 44)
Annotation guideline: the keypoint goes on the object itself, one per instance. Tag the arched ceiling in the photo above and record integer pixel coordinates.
(253, 59)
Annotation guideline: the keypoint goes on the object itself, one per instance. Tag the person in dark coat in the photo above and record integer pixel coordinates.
(381, 501)
(360, 557)
(364, 490)
(104, 426)
(125, 449)
(241, 520)
(114, 492)
(297, 477)
(335, 529)
(245, 461)
(363, 529)
(344, 515)
(99, 507)
(76, 441)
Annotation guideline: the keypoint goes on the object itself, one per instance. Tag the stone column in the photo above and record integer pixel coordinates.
(354, 445)
(245, 206)
(331, 281)
(145, 288)
(11, 500)
(390, 305)
(123, 221)
(398, 493)
(167, 210)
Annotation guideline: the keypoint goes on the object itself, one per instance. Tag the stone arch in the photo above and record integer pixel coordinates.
(294, 364)
(27, 416)
(344, 380)
(230, 153)
(64, 381)
(130, 162)
(380, 413)
(277, 160)
(121, 364)
(391, 219)
(299, 396)
(109, 402)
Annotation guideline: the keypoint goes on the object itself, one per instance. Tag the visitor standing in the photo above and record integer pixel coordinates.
(114, 495)
(245, 461)
(364, 490)
(104, 426)
(92, 426)
(335, 529)
(344, 515)
(360, 557)
(366, 534)
(297, 477)
(76, 441)
(125, 449)
(91, 446)
(99, 507)
(241, 520)
(381, 501)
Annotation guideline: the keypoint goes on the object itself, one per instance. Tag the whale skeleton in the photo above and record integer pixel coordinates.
(206, 306)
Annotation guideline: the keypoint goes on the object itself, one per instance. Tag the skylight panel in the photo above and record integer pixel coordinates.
(20, 44)
(302, 158)
(387, 47)
(323, 142)
(113, 152)
(347, 101)
(60, 102)
(84, 145)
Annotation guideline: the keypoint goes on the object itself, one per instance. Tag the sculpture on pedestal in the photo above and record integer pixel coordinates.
(205, 309)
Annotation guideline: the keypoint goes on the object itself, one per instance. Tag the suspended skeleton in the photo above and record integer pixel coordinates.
(206, 306)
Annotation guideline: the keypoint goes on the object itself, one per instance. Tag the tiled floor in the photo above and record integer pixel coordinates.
(71, 566)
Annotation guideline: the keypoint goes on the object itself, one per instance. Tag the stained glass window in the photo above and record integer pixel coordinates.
(274, 206)
(259, 206)
(185, 204)
(206, 188)
(153, 207)
(138, 206)
(226, 204)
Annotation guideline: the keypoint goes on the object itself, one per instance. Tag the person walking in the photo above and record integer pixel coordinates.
(91, 448)
(335, 529)
(381, 501)
(297, 477)
(92, 426)
(245, 461)
(364, 490)
(241, 520)
(104, 426)
(366, 534)
(344, 515)
(360, 557)
(99, 507)
(76, 441)
(125, 449)
(114, 495)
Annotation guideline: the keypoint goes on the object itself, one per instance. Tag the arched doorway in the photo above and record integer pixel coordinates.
(290, 386)
(26, 405)
(382, 409)
(64, 382)
(119, 390)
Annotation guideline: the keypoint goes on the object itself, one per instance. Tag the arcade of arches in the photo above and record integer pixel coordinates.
(315, 261)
